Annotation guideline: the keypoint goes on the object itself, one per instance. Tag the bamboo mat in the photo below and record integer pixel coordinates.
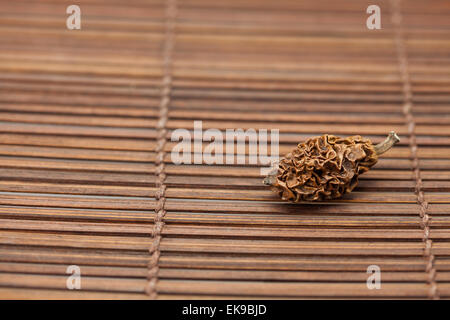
(86, 176)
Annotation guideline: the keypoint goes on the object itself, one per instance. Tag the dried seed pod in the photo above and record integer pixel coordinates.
(325, 167)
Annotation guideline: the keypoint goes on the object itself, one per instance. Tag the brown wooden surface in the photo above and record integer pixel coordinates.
(86, 176)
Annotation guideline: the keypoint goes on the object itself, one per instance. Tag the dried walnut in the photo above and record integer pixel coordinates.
(325, 167)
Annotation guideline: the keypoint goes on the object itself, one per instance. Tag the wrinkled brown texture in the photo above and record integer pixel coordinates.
(323, 168)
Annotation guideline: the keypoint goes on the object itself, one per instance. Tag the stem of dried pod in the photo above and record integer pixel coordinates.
(390, 141)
